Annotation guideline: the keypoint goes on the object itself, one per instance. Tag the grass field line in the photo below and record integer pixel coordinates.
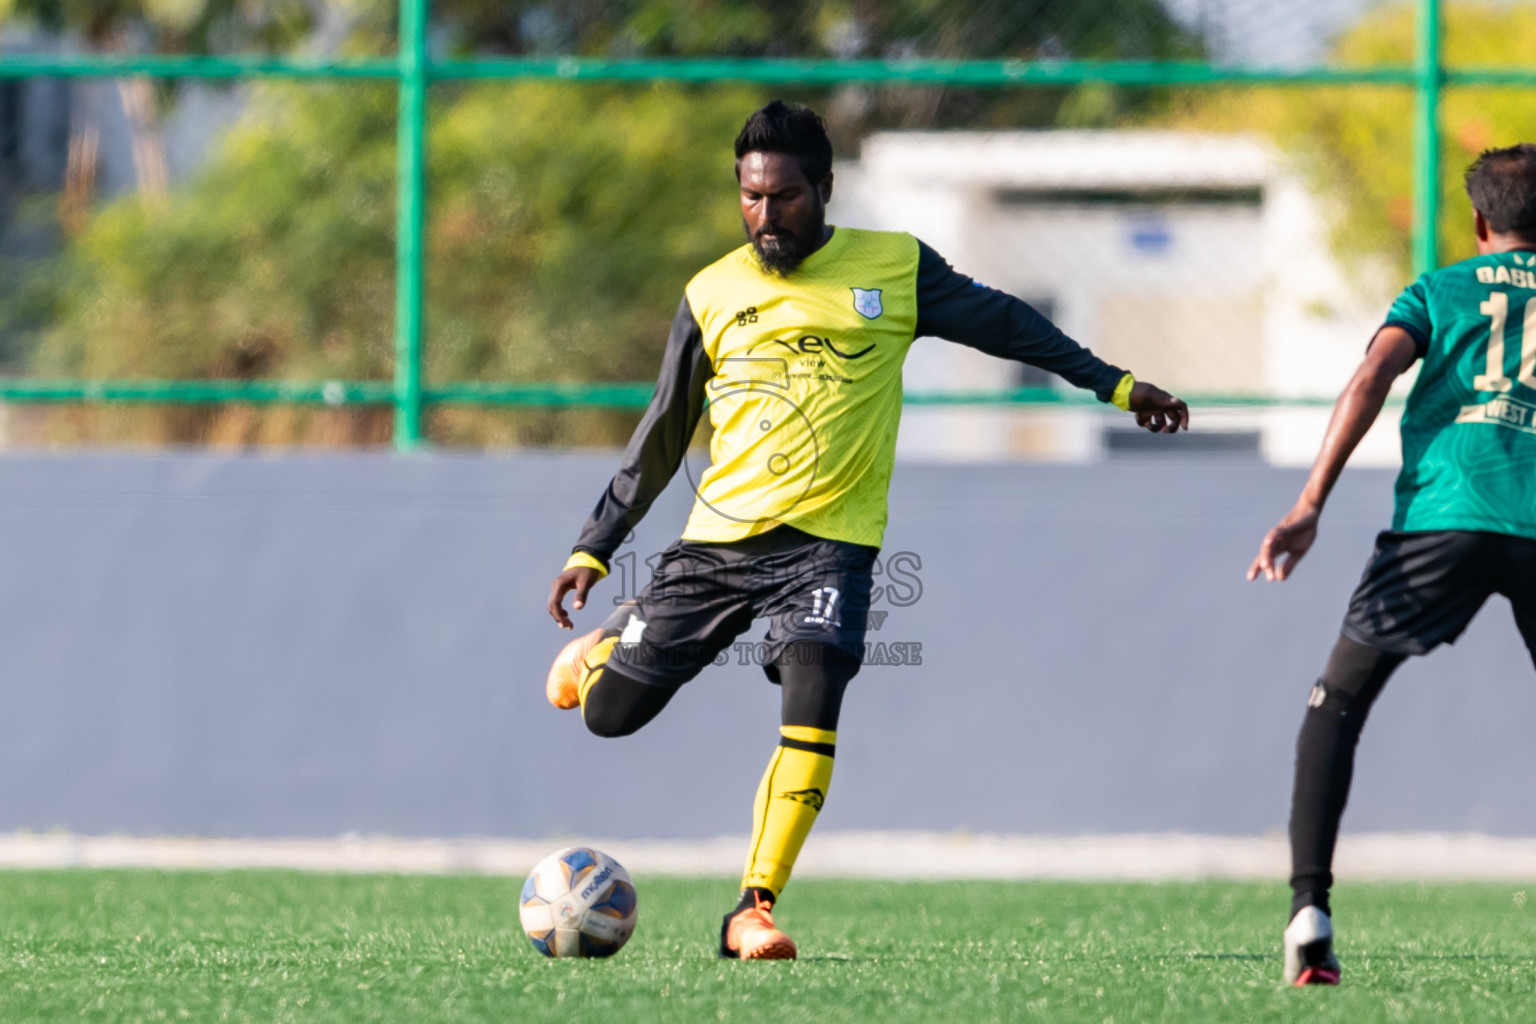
(891, 855)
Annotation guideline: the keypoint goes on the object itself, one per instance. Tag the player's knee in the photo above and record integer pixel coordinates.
(1353, 678)
(618, 705)
(814, 658)
(814, 678)
(606, 718)
(607, 722)
(1325, 698)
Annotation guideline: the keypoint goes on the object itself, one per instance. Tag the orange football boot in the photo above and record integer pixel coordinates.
(749, 934)
(563, 687)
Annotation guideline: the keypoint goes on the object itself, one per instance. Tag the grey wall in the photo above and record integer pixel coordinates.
(276, 646)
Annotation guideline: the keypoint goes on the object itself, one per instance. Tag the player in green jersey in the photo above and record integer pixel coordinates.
(793, 346)
(1465, 524)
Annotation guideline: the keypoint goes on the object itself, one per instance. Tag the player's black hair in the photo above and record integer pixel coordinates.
(1502, 184)
(789, 128)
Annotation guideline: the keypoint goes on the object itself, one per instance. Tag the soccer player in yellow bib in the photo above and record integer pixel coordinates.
(793, 345)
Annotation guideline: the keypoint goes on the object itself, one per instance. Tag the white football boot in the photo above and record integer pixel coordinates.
(1309, 958)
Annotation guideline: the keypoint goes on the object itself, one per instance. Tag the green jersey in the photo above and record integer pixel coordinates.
(1469, 430)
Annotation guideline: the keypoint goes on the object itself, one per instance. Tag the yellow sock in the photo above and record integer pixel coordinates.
(788, 799)
(592, 667)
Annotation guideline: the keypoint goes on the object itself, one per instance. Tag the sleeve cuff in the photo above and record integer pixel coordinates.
(582, 560)
(1420, 342)
(1121, 398)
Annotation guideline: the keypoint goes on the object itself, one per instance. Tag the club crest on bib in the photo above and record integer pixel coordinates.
(867, 302)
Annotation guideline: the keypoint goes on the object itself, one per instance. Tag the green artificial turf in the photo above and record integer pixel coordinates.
(277, 946)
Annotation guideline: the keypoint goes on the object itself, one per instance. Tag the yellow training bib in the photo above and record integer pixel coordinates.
(805, 399)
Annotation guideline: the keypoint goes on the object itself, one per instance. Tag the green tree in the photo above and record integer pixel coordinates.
(1356, 144)
(554, 254)
(1101, 29)
(170, 26)
(946, 29)
(564, 219)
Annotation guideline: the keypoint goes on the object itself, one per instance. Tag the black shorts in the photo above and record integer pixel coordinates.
(702, 596)
(1421, 589)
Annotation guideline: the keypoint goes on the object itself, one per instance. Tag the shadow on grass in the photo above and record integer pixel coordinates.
(1359, 955)
(1215, 956)
(1497, 958)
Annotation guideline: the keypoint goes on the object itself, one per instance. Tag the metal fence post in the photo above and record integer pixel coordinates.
(410, 221)
(1426, 156)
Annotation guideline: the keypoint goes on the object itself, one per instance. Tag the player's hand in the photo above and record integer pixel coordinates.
(1286, 544)
(579, 579)
(1157, 410)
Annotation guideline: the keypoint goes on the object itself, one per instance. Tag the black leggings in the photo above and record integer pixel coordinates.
(1325, 762)
(812, 677)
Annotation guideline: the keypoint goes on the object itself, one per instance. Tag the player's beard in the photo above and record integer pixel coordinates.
(783, 253)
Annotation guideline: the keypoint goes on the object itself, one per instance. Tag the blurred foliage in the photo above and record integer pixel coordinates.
(170, 26)
(278, 254)
(553, 254)
(827, 28)
(948, 29)
(561, 255)
(1356, 144)
(564, 219)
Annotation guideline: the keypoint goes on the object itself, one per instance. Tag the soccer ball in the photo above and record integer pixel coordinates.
(578, 902)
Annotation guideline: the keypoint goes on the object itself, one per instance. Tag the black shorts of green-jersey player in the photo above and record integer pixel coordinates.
(1422, 588)
(1464, 528)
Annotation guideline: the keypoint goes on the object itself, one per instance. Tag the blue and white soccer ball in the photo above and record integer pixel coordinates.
(578, 902)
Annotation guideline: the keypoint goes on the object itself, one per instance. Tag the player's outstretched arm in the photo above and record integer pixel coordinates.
(1392, 351)
(955, 307)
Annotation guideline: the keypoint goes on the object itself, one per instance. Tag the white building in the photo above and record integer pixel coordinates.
(1199, 261)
